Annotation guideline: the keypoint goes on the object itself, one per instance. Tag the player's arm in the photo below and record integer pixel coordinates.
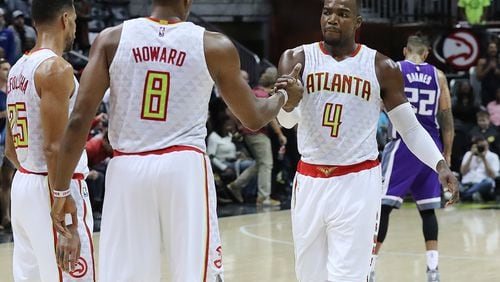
(94, 81)
(445, 117)
(10, 150)
(93, 84)
(54, 83)
(405, 122)
(224, 65)
(287, 117)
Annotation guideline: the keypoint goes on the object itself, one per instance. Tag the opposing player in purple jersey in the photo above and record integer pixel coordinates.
(427, 90)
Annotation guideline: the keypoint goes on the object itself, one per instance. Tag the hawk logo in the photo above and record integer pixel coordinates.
(218, 261)
(161, 33)
(85, 191)
(460, 49)
(80, 269)
(327, 171)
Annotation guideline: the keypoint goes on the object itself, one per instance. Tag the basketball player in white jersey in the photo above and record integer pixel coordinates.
(338, 187)
(159, 186)
(40, 93)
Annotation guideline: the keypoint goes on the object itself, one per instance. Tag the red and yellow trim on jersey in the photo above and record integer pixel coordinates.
(87, 230)
(167, 150)
(323, 49)
(207, 212)
(163, 22)
(77, 176)
(327, 171)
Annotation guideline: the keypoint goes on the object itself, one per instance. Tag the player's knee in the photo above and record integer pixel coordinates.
(429, 225)
(386, 210)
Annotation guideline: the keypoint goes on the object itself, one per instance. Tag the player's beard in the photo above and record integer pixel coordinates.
(333, 40)
(69, 44)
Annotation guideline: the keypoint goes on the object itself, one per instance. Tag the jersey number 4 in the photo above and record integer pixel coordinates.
(331, 118)
(155, 98)
(18, 125)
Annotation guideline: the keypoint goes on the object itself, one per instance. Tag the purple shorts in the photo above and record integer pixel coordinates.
(403, 172)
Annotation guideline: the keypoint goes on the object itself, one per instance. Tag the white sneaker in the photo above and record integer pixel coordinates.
(267, 201)
(371, 276)
(432, 275)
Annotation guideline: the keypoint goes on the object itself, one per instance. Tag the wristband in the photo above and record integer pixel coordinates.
(283, 91)
(61, 194)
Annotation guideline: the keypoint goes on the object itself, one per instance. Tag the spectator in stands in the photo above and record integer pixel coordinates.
(464, 109)
(6, 168)
(473, 10)
(22, 5)
(259, 142)
(99, 152)
(488, 72)
(7, 41)
(464, 115)
(24, 35)
(479, 169)
(487, 130)
(226, 160)
(494, 109)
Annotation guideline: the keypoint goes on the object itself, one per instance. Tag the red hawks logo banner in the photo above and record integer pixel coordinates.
(459, 49)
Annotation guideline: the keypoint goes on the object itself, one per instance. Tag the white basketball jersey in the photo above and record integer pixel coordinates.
(160, 87)
(340, 107)
(23, 105)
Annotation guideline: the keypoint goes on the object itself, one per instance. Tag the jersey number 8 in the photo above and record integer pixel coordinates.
(155, 98)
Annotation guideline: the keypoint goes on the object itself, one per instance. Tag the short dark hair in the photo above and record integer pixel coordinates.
(478, 138)
(45, 11)
(482, 113)
(418, 43)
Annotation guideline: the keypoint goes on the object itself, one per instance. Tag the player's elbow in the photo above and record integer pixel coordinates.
(51, 150)
(254, 124)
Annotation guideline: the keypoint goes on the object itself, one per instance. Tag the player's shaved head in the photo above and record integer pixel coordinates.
(417, 44)
(357, 5)
(165, 2)
(46, 11)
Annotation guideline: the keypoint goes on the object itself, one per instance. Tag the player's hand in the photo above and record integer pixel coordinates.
(449, 182)
(293, 86)
(68, 250)
(61, 207)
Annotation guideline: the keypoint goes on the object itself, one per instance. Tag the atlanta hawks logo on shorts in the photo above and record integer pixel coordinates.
(218, 261)
(80, 269)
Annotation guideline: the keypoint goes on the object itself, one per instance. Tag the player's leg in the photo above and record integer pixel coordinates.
(31, 196)
(188, 218)
(308, 228)
(25, 267)
(398, 175)
(260, 146)
(129, 246)
(85, 269)
(427, 194)
(352, 224)
(385, 211)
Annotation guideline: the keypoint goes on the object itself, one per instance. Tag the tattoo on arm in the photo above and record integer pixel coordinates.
(445, 119)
